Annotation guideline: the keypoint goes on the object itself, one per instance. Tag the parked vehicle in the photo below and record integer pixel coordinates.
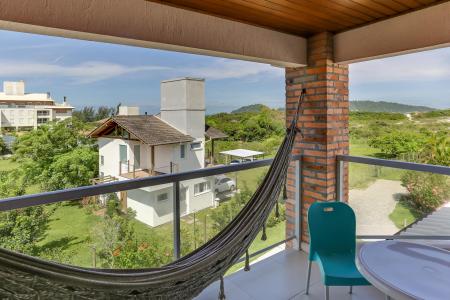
(224, 184)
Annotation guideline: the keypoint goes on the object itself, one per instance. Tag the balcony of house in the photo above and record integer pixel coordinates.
(133, 171)
(277, 268)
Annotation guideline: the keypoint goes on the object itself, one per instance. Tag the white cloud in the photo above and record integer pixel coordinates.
(93, 71)
(231, 69)
(422, 66)
(86, 72)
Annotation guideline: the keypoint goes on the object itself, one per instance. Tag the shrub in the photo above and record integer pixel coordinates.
(426, 191)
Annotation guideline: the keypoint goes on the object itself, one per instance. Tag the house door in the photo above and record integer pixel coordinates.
(123, 159)
(123, 153)
(137, 156)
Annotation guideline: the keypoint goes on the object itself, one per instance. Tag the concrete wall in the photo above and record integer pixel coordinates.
(419, 30)
(146, 24)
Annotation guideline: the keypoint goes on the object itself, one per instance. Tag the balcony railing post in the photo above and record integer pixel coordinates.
(298, 202)
(339, 179)
(176, 220)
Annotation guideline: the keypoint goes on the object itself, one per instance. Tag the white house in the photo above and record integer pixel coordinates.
(20, 110)
(134, 146)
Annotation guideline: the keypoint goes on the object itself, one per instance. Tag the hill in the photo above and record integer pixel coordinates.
(383, 106)
(249, 108)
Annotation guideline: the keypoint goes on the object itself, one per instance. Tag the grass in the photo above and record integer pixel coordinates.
(362, 175)
(69, 229)
(403, 215)
(6, 164)
(274, 235)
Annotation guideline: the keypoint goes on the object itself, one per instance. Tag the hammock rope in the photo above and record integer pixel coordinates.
(27, 277)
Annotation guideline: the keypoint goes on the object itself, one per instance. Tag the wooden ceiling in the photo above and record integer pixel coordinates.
(303, 17)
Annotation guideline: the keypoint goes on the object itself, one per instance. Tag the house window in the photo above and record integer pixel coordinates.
(102, 160)
(182, 151)
(123, 153)
(162, 197)
(196, 146)
(102, 174)
(202, 187)
(42, 121)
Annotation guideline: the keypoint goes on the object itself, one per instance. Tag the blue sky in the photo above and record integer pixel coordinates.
(91, 73)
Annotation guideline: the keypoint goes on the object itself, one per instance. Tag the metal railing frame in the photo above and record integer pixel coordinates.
(176, 178)
(118, 186)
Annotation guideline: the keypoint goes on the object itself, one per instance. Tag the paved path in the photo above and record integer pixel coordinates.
(373, 205)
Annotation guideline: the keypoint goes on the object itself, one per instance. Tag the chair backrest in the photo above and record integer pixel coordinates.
(332, 228)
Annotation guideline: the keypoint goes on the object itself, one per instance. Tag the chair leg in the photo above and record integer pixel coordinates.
(351, 290)
(327, 292)
(308, 278)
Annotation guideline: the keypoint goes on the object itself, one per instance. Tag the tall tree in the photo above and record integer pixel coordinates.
(48, 147)
(20, 229)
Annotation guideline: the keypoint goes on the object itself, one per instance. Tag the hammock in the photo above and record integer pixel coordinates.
(26, 277)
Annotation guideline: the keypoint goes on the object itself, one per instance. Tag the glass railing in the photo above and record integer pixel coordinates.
(396, 199)
(141, 222)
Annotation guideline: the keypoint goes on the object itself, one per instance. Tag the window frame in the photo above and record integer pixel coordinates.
(207, 188)
(194, 148)
(166, 194)
(182, 151)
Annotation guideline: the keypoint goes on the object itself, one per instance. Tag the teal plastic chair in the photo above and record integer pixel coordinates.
(332, 243)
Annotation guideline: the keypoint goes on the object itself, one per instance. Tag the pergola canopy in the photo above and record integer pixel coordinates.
(242, 153)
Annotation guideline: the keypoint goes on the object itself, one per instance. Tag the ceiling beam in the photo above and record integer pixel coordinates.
(424, 29)
(152, 25)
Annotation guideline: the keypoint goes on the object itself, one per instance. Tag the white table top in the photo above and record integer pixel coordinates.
(405, 270)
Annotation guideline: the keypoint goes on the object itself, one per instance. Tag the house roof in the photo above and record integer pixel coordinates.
(214, 133)
(150, 130)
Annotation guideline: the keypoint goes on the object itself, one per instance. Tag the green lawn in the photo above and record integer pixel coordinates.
(362, 175)
(274, 235)
(69, 229)
(403, 215)
(7, 164)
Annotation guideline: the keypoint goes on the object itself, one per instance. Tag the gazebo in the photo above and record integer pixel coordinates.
(241, 154)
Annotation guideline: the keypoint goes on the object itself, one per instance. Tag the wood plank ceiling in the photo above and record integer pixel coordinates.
(303, 17)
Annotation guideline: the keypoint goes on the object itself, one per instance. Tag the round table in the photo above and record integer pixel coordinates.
(405, 270)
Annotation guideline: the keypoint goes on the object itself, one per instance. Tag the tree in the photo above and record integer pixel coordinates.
(395, 143)
(72, 169)
(104, 112)
(86, 114)
(115, 240)
(20, 229)
(50, 146)
(428, 191)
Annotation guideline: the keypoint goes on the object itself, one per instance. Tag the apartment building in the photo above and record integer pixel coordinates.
(23, 111)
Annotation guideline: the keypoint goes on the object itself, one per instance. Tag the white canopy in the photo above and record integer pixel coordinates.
(241, 153)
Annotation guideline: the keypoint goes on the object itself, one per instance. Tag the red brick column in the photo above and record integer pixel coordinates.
(324, 123)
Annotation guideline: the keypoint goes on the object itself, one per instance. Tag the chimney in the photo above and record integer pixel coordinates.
(183, 105)
(128, 110)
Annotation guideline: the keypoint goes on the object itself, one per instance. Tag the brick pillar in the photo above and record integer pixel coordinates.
(324, 123)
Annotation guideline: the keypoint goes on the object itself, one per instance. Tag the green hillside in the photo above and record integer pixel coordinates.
(249, 108)
(383, 106)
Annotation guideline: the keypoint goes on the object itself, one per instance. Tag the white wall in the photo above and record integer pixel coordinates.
(154, 213)
(109, 149)
(183, 105)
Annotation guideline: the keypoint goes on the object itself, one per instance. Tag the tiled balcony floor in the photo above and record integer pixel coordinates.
(283, 276)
